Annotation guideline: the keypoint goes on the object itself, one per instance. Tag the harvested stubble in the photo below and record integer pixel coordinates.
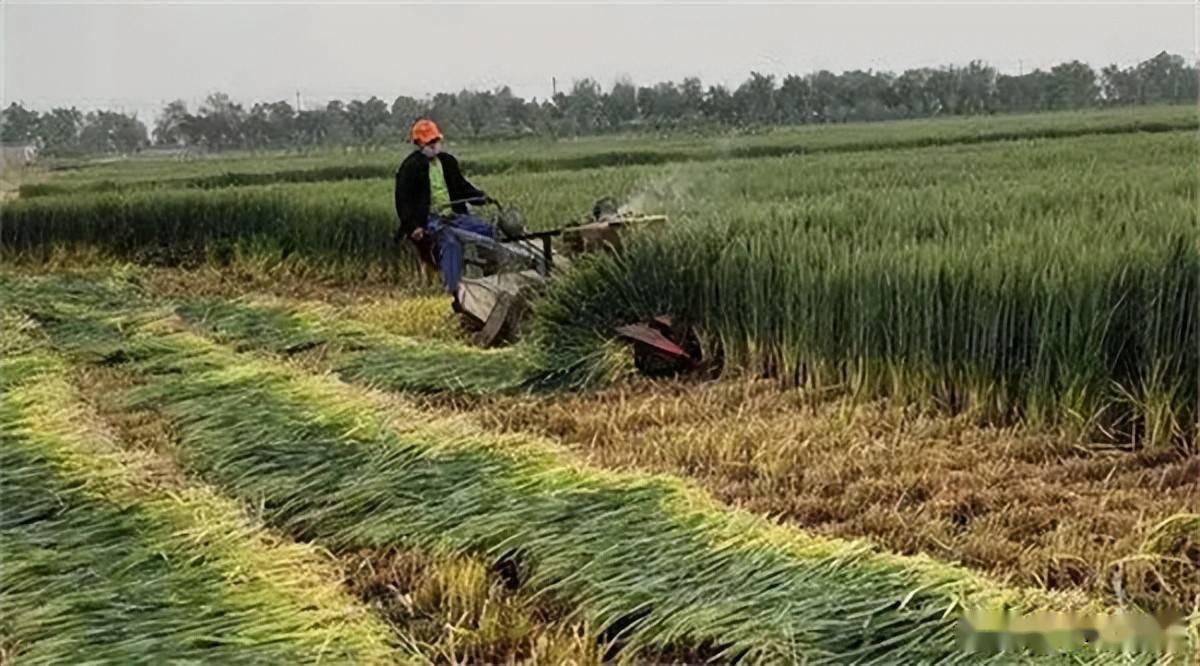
(458, 610)
(1027, 507)
(656, 563)
(1025, 288)
(104, 563)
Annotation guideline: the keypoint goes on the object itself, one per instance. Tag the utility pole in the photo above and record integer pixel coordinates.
(297, 101)
(553, 87)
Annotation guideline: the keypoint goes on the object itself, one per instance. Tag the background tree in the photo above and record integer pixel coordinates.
(719, 106)
(584, 111)
(824, 86)
(405, 112)
(168, 129)
(912, 93)
(1166, 78)
(620, 105)
(976, 88)
(447, 113)
(794, 99)
(755, 99)
(1072, 85)
(692, 93)
(1120, 86)
(821, 97)
(367, 118)
(313, 127)
(480, 113)
(18, 124)
(59, 131)
(221, 127)
(107, 132)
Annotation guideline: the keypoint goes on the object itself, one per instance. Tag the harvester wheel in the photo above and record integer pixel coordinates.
(504, 321)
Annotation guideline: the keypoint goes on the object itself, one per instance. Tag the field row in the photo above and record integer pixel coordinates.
(536, 156)
(351, 225)
(778, 466)
(659, 566)
(357, 340)
(1060, 284)
(106, 556)
(358, 353)
(1049, 281)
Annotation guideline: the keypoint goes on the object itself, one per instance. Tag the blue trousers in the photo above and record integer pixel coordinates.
(449, 240)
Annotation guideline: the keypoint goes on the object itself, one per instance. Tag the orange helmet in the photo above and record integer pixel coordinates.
(425, 131)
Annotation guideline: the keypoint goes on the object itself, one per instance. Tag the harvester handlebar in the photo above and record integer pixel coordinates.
(533, 235)
(474, 201)
(615, 221)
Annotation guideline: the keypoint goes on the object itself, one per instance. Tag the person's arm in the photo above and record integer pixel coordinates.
(456, 183)
(407, 208)
(398, 196)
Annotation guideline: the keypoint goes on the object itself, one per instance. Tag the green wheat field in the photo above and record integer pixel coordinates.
(238, 424)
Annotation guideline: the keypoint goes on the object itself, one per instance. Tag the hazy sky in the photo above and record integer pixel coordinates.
(138, 55)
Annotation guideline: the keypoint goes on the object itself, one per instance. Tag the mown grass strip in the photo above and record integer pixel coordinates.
(102, 566)
(445, 608)
(358, 352)
(657, 563)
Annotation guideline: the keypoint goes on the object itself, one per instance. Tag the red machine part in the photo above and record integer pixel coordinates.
(651, 336)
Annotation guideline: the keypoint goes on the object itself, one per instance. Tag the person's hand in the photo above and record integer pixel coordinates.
(417, 234)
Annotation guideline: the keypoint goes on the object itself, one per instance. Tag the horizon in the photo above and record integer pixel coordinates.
(133, 60)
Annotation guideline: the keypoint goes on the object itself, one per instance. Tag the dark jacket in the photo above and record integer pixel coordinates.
(412, 190)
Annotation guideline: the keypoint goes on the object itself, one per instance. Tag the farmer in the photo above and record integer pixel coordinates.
(431, 202)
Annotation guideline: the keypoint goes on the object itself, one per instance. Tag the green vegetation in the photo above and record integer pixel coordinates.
(813, 98)
(1050, 280)
(360, 353)
(180, 226)
(541, 155)
(104, 563)
(1054, 281)
(227, 179)
(1042, 270)
(344, 229)
(657, 564)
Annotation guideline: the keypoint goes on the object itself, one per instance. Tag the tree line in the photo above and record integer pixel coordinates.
(761, 100)
(63, 131)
